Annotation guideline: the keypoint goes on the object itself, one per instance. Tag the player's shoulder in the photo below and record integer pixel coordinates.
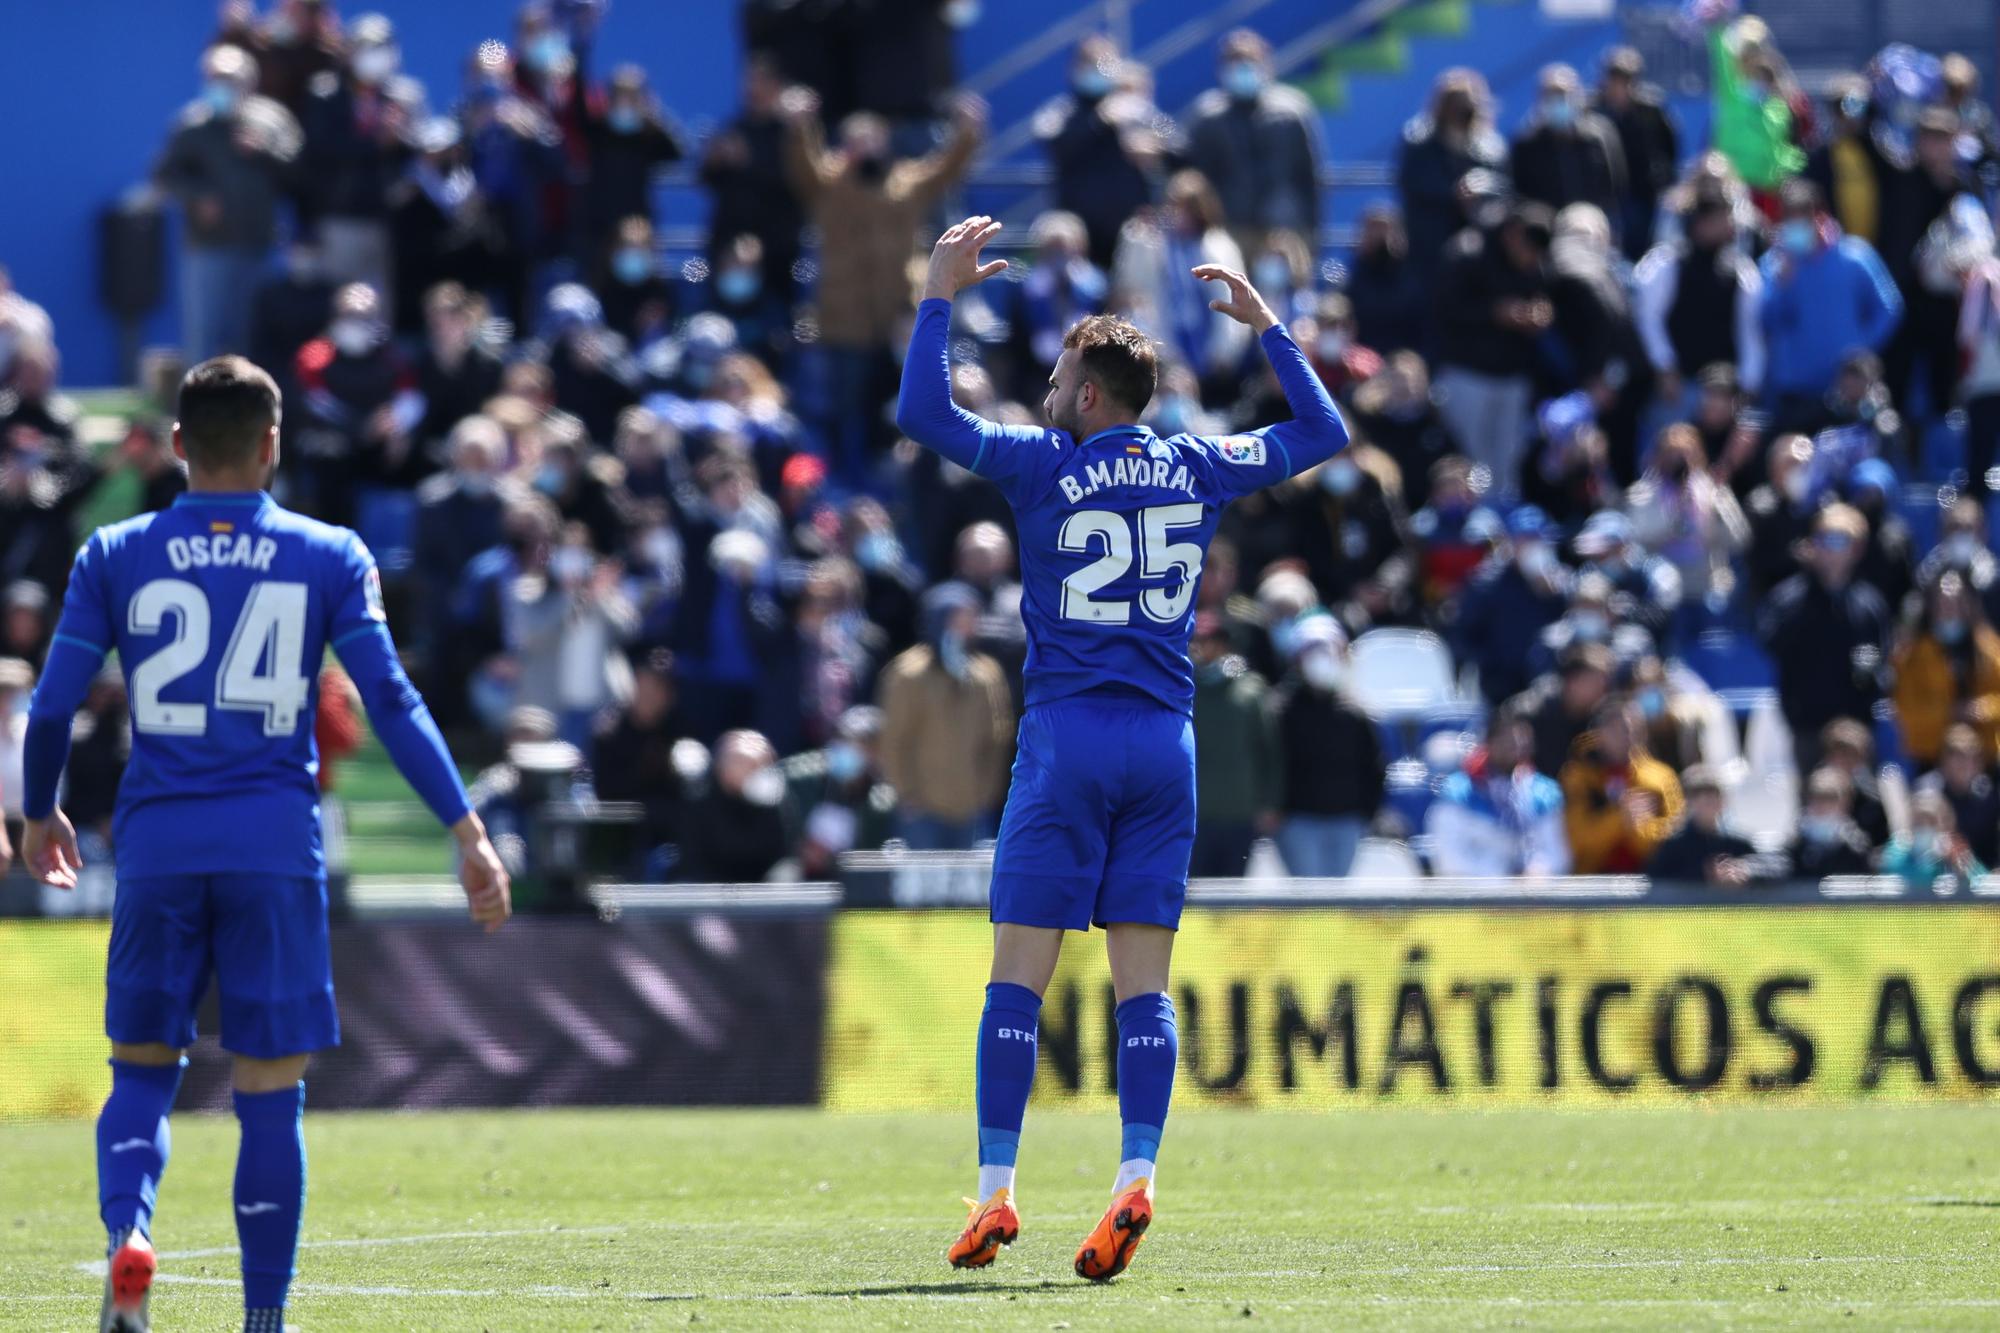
(322, 540)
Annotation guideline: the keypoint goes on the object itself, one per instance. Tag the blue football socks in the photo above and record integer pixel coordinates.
(1148, 1049)
(132, 1144)
(1006, 1071)
(270, 1192)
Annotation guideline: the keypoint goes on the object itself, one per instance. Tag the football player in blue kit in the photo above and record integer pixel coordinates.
(1114, 523)
(220, 610)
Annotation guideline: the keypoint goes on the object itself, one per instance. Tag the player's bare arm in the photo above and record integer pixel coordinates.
(487, 891)
(1244, 305)
(955, 263)
(48, 850)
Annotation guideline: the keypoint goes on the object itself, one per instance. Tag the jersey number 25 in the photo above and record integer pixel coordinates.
(1158, 559)
(263, 666)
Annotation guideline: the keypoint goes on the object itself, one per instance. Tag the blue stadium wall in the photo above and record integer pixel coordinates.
(88, 87)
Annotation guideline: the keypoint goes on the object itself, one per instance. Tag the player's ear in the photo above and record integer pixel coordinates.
(180, 450)
(267, 453)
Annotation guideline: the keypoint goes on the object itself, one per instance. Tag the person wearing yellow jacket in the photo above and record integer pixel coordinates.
(1947, 670)
(1619, 802)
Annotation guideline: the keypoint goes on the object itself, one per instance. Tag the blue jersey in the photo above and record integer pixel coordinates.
(1113, 528)
(221, 609)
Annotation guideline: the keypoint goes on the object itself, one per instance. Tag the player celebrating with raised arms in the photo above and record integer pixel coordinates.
(220, 609)
(1099, 823)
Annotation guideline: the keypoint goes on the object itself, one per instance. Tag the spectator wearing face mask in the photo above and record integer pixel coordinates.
(983, 560)
(1559, 707)
(1682, 515)
(1456, 539)
(1848, 167)
(290, 309)
(1962, 549)
(1283, 270)
(1887, 564)
(1596, 334)
(1979, 349)
(628, 136)
(890, 584)
(1152, 278)
(354, 150)
(1493, 310)
(736, 830)
(1499, 816)
(1828, 841)
(1587, 620)
(836, 799)
(581, 481)
(1827, 633)
(1965, 778)
(360, 407)
(1258, 142)
(1060, 286)
(443, 228)
(1698, 303)
(867, 207)
(1568, 154)
(1393, 411)
(591, 366)
(1509, 604)
(1238, 761)
(1637, 112)
(639, 301)
(460, 512)
(1681, 721)
(1703, 851)
(1781, 513)
(1825, 295)
(760, 313)
(1109, 145)
(1348, 520)
(229, 163)
(456, 372)
(1333, 765)
(633, 757)
(1932, 855)
(1383, 285)
(1453, 138)
(750, 194)
(1645, 589)
(1947, 669)
(1847, 745)
(1917, 241)
(1619, 802)
(565, 629)
(1342, 363)
(947, 728)
(1731, 430)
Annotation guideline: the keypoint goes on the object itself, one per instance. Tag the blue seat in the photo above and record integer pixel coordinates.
(1729, 660)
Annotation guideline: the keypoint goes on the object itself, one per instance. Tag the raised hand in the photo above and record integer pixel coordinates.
(1244, 305)
(955, 261)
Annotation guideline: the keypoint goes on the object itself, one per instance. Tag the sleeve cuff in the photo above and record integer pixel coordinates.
(1278, 330)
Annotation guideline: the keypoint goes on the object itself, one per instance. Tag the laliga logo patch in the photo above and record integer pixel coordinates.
(1245, 449)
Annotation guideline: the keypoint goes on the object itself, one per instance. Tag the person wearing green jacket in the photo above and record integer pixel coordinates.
(1237, 763)
(1753, 119)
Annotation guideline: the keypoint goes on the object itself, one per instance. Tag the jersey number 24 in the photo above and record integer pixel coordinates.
(263, 666)
(1158, 559)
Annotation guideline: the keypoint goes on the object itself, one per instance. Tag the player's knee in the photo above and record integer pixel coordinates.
(253, 1075)
(145, 1053)
(1025, 955)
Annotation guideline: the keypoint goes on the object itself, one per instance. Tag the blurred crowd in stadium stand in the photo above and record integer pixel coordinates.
(1627, 427)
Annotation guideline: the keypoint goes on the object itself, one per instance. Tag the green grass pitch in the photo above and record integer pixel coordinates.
(1741, 1217)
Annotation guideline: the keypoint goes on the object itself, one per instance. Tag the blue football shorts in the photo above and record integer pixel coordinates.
(1099, 823)
(263, 938)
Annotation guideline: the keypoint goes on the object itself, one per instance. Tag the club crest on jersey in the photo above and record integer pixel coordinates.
(371, 592)
(1247, 450)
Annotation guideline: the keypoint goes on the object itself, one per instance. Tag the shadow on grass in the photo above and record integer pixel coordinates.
(1962, 1203)
(945, 1288)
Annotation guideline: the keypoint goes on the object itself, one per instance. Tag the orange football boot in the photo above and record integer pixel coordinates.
(1106, 1251)
(992, 1224)
(127, 1286)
